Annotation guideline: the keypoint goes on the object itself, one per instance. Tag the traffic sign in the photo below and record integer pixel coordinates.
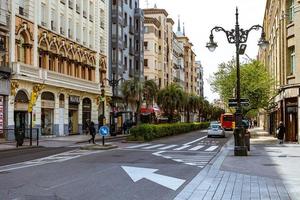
(104, 131)
(233, 102)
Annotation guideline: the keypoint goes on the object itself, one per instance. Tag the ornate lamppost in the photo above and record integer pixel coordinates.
(238, 37)
(114, 82)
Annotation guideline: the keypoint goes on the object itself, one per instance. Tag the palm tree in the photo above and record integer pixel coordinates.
(132, 90)
(170, 100)
(199, 106)
(150, 91)
(191, 102)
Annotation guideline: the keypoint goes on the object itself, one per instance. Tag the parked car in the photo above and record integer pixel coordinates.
(216, 130)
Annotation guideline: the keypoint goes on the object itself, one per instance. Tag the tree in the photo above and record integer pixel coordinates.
(132, 90)
(170, 100)
(150, 91)
(256, 84)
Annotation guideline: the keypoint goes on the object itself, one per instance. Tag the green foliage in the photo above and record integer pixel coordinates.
(256, 83)
(150, 91)
(148, 132)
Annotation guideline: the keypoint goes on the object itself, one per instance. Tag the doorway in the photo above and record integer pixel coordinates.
(73, 122)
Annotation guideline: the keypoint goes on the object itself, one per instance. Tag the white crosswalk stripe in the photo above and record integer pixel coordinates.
(137, 146)
(168, 147)
(212, 148)
(153, 146)
(175, 147)
(196, 148)
(183, 147)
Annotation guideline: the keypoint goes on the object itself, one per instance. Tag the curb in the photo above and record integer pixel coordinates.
(20, 148)
(97, 147)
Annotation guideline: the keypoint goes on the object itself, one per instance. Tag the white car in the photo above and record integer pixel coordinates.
(215, 130)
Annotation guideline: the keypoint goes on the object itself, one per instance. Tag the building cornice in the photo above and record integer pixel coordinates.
(151, 20)
(170, 20)
(155, 11)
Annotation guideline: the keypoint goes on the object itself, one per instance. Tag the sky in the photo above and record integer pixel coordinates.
(200, 16)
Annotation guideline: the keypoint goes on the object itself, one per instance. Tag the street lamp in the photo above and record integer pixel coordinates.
(114, 82)
(238, 37)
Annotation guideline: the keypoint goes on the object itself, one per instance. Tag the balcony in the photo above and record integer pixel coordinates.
(91, 18)
(131, 29)
(70, 4)
(131, 51)
(102, 24)
(84, 14)
(77, 9)
(62, 31)
(63, 1)
(22, 12)
(44, 23)
(26, 72)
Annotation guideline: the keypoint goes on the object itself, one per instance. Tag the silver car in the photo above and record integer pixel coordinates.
(215, 130)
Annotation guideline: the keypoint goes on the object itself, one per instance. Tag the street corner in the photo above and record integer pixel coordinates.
(96, 147)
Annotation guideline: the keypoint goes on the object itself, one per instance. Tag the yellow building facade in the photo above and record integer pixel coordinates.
(282, 27)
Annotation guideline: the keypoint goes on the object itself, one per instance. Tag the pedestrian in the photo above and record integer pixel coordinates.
(92, 132)
(255, 123)
(87, 126)
(280, 132)
(125, 126)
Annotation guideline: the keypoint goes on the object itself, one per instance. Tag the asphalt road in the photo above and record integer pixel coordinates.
(86, 175)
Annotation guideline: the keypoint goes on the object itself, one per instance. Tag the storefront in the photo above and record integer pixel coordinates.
(47, 113)
(4, 92)
(74, 102)
(291, 119)
(86, 114)
(61, 125)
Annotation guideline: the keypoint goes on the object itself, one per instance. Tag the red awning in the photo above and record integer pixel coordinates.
(149, 110)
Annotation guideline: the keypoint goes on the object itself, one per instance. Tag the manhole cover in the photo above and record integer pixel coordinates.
(270, 165)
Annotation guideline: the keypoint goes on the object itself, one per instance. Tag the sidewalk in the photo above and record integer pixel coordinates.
(63, 141)
(271, 171)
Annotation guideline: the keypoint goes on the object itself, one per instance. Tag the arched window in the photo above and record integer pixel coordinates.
(21, 97)
(21, 50)
(48, 96)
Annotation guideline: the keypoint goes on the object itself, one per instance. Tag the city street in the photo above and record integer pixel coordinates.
(156, 170)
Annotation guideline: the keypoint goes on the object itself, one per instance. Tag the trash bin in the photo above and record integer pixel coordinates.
(247, 139)
(19, 137)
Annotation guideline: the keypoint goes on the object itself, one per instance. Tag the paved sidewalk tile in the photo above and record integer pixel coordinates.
(213, 184)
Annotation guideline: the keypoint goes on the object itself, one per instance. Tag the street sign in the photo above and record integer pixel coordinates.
(104, 131)
(233, 102)
(137, 173)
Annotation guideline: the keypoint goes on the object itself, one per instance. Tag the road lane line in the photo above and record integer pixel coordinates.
(195, 140)
(182, 147)
(196, 148)
(212, 148)
(154, 146)
(137, 146)
(167, 147)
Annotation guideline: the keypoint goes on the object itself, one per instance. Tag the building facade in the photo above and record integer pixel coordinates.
(158, 46)
(200, 82)
(127, 54)
(281, 25)
(5, 70)
(178, 62)
(58, 56)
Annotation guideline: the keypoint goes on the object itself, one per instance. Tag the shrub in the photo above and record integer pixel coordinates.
(147, 132)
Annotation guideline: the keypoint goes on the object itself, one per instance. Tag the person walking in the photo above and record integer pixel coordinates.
(92, 132)
(280, 132)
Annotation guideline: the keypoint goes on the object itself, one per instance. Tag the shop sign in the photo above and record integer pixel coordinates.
(1, 114)
(74, 99)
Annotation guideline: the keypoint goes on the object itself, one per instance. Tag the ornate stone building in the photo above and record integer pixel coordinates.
(59, 53)
(281, 25)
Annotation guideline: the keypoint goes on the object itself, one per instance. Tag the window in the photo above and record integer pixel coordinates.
(145, 62)
(146, 45)
(292, 66)
(125, 63)
(21, 50)
(146, 29)
(130, 3)
(43, 14)
(291, 11)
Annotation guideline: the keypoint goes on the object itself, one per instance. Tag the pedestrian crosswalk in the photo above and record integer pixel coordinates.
(198, 160)
(46, 160)
(175, 147)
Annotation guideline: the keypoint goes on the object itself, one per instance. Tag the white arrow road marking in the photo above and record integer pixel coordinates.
(137, 146)
(168, 147)
(195, 140)
(196, 148)
(137, 173)
(154, 146)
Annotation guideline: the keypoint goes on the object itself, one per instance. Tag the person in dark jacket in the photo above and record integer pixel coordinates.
(280, 132)
(92, 132)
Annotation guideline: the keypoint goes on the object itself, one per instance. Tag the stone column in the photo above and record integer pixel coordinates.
(86, 73)
(73, 69)
(94, 112)
(47, 61)
(93, 76)
(56, 116)
(299, 118)
(56, 64)
(66, 115)
(65, 70)
(80, 116)
(79, 69)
